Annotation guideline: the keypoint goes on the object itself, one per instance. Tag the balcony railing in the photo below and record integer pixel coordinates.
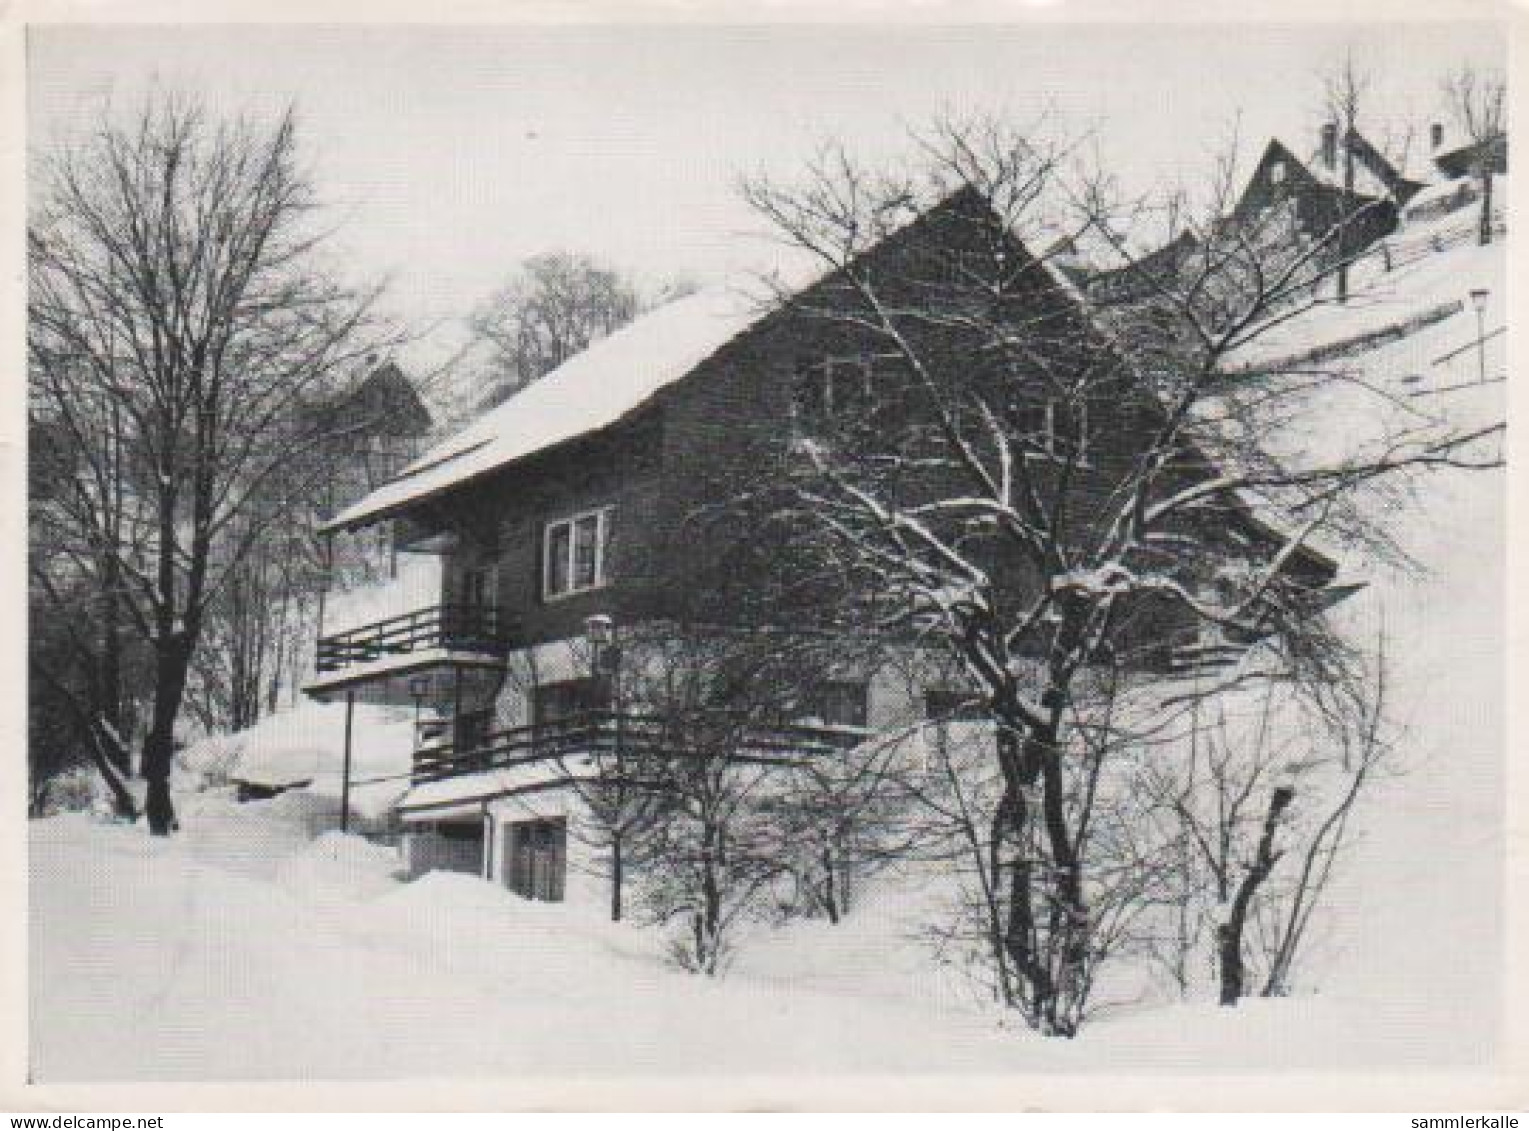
(635, 735)
(451, 628)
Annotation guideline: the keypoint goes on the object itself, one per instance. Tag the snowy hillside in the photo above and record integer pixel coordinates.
(254, 951)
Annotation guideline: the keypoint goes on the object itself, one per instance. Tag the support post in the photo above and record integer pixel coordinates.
(350, 713)
(456, 712)
(326, 556)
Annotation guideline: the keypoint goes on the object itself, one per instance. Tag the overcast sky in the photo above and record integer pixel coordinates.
(453, 153)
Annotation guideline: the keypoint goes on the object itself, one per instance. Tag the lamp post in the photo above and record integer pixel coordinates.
(1479, 301)
(419, 687)
(605, 665)
(350, 714)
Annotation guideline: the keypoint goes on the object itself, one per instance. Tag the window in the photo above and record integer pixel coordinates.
(538, 854)
(842, 703)
(839, 389)
(475, 588)
(1058, 429)
(1276, 172)
(575, 552)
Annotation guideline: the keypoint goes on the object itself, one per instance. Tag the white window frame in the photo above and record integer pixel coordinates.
(1054, 445)
(602, 515)
(831, 371)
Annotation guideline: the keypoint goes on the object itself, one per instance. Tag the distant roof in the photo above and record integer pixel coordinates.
(384, 403)
(592, 390)
(1374, 175)
(1457, 160)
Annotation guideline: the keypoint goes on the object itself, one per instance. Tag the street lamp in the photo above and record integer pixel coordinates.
(604, 656)
(419, 687)
(1479, 301)
(600, 629)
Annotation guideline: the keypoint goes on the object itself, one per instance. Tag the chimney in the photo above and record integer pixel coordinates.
(1330, 144)
(1436, 136)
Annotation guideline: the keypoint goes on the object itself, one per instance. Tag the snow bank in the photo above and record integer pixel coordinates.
(341, 864)
(213, 757)
(306, 747)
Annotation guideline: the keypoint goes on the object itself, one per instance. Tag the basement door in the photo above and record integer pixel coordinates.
(539, 859)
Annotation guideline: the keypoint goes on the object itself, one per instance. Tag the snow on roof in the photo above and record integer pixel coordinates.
(590, 391)
(1443, 197)
(464, 794)
(1366, 181)
(617, 375)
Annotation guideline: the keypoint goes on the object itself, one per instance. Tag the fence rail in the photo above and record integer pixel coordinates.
(460, 628)
(637, 735)
(1399, 251)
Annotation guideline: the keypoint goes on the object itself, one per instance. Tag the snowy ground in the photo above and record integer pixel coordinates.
(243, 949)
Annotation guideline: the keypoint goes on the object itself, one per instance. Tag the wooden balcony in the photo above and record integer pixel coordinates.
(635, 735)
(474, 630)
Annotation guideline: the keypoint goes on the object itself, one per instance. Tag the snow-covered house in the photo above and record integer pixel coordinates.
(1318, 191)
(1455, 157)
(560, 517)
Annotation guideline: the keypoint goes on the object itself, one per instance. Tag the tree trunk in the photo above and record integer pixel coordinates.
(830, 894)
(617, 876)
(1052, 1001)
(170, 669)
(1484, 231)
(110, 756)
(709, 925)
(110, 670)
(1229, 934)
(1021, 764)
(1069, 915)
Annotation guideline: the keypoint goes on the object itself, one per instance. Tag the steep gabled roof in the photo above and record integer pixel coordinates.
(606, 383)
(620, 374)
(1375, 178)
(591, 391)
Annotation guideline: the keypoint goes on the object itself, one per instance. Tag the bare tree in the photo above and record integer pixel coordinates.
(1259, 783)
(616, 780)
(709, 738)
(556, 304)
(1479, 102)
(1344, 91)
(844, 815)
(177, 294)
(1039, 482)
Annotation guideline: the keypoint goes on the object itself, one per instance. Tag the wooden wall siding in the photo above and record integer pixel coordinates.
(725, 429)
(727, 426)
(500, 521)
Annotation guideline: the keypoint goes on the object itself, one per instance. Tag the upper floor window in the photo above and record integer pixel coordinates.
(476, 587)
(574, 553)
(839, 389)
(1276, 172)
(1059, 429)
